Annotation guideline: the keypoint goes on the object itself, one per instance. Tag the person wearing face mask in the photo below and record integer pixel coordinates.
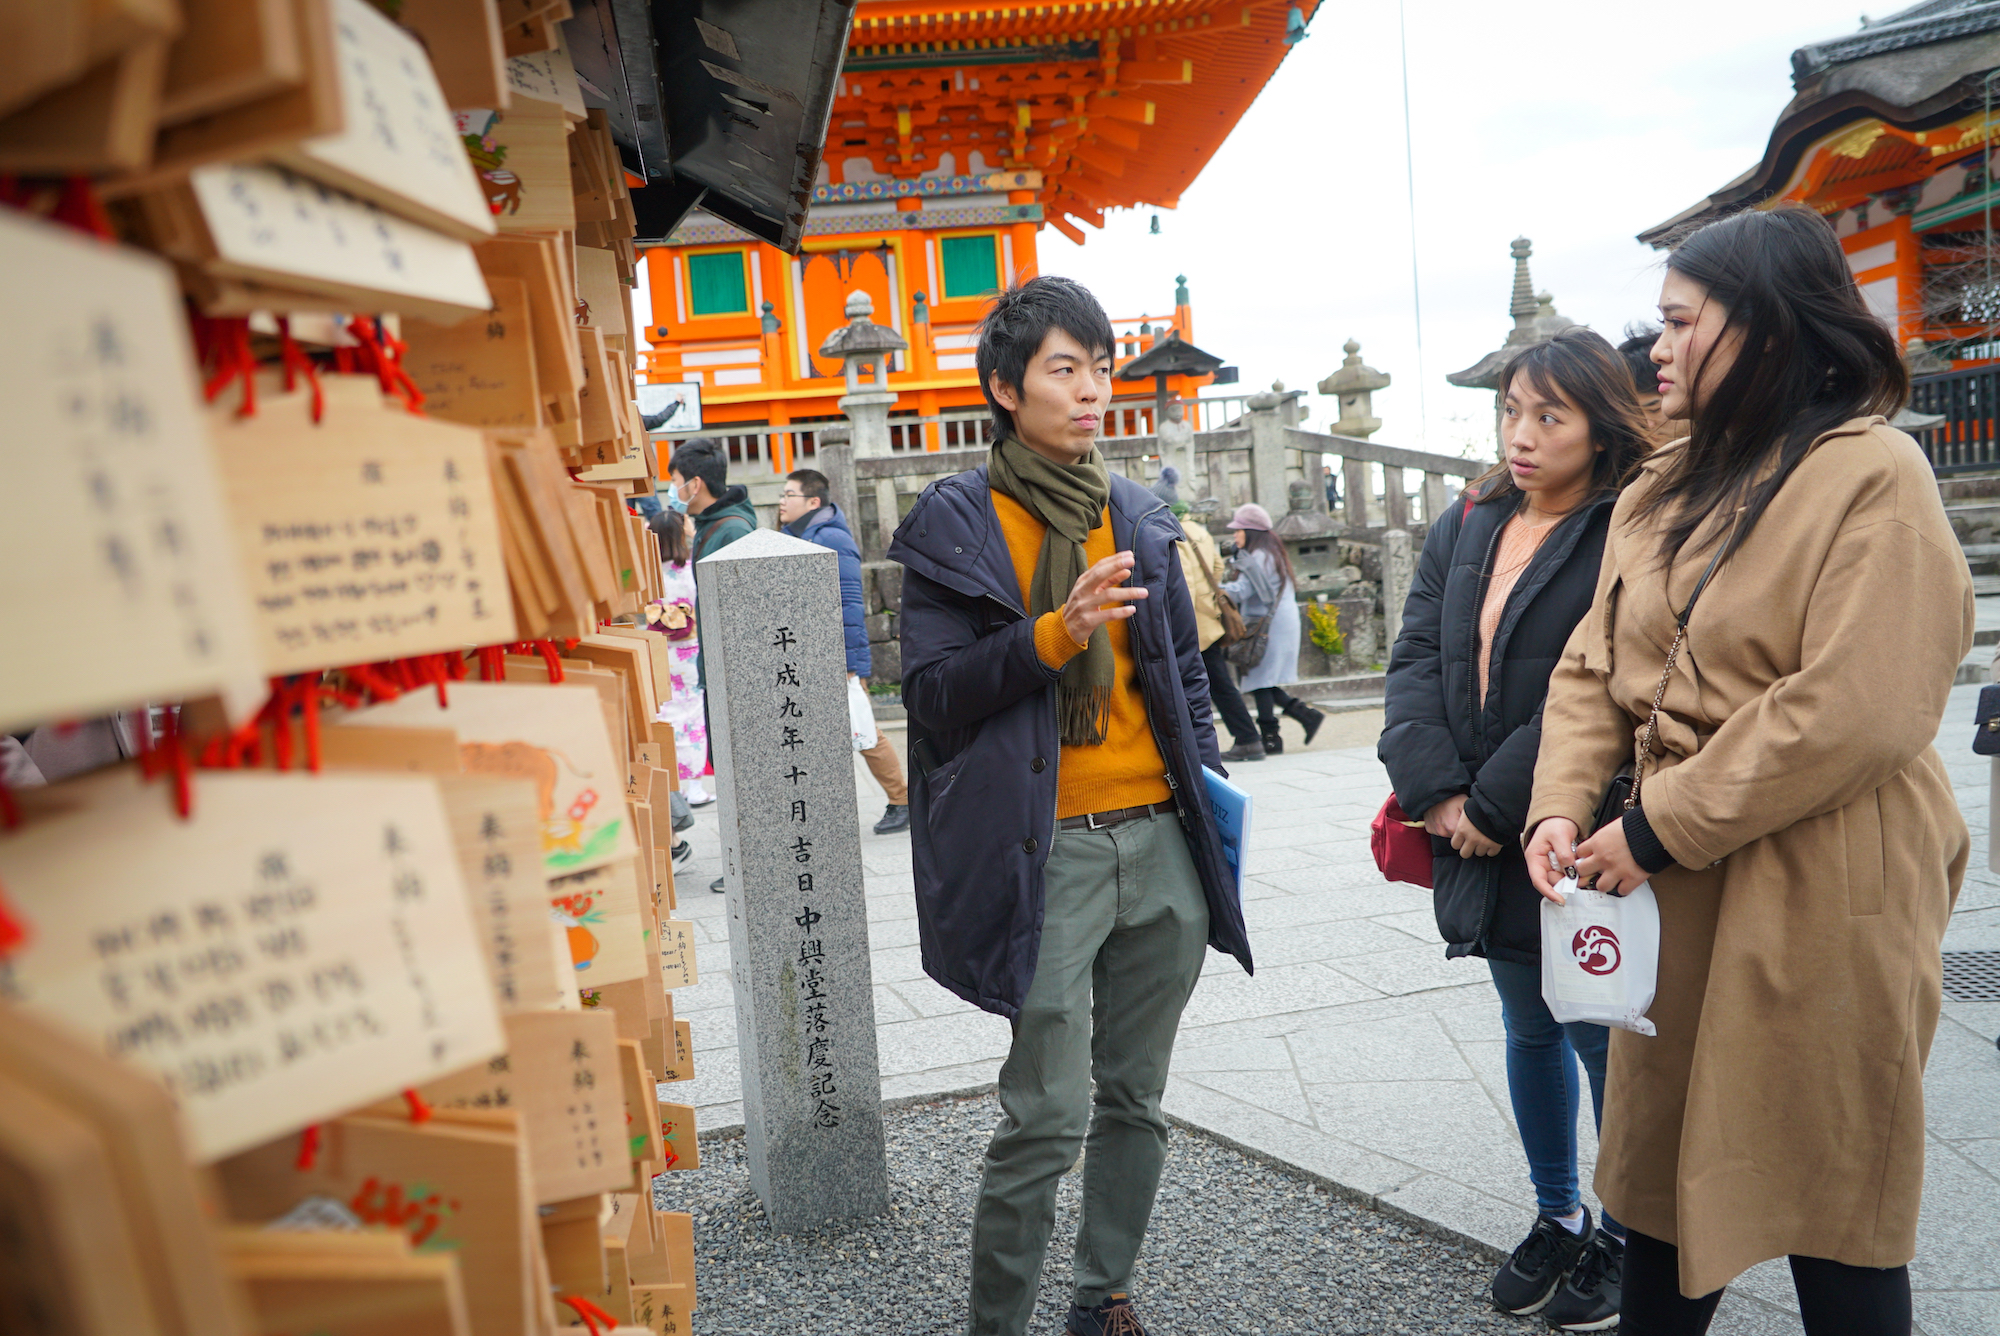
(1780, 614)
(1503, 579)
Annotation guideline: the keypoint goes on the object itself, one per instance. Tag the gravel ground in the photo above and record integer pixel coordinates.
(1236, 1247)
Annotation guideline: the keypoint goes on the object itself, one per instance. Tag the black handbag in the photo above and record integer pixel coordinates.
(1986, 742)
(1248, 652)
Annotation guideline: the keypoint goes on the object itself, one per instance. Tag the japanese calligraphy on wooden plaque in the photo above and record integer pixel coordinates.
(302, 946)
(372, 535)
(114, 504)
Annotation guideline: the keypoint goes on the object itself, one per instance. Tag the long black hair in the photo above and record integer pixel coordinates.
(1272, 546)
(1811, 355)
(1581, 365)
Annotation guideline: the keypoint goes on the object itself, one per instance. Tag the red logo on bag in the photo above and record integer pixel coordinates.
(1595, 949)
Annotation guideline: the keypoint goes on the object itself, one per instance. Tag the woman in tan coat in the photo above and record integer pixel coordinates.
(1798, 827)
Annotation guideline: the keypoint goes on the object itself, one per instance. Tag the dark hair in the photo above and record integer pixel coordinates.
(1811, 356)
(1637, 350)
(705, 458)
(1263, 540)
(1580, 365)
(670, 527)
(1017, 322)
(811, 482)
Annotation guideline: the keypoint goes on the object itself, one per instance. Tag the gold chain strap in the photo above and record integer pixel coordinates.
(1653, 720)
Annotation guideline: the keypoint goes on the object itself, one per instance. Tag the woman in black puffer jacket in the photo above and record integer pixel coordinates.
(1503, 580)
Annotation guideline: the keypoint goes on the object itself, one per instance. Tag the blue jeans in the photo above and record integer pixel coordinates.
(1541, 1082)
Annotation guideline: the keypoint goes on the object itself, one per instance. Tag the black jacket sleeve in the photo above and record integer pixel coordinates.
(957, 672)
(1417, 746)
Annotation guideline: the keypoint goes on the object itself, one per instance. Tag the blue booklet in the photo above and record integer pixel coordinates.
(1231, 807)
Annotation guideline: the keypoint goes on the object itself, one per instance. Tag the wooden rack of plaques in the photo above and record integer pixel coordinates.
(343, 1004)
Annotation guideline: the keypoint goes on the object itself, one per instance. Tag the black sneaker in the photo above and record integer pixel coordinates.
(1113, 1317)
(1588, 1299)
(1532, 1275)
(1243, 751)
(895, 819)
(717, 886)
(682, 852)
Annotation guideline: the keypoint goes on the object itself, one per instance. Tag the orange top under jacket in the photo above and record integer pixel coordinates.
(1126, 770)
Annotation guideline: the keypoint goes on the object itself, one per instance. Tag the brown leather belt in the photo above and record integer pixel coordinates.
(1104, 820)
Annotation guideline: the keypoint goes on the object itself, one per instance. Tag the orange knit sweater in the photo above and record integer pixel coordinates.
(1126, 769)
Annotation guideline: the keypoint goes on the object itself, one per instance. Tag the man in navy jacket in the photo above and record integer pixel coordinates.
(1068, 871)
(806, 510)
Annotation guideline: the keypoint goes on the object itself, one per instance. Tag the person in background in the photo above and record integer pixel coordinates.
(673, 616)
(1069, 875)
(722, 515)
(1263, 586)
(1201, 564)
(806, 510)
(1637, 350)
(1332, 481)
(1796, 824)
(1501, 583)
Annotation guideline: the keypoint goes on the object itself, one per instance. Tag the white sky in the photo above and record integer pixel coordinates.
(1574, 122)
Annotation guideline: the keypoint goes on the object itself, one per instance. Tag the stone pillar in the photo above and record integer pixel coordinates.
(1267, 424)
(798, 922)
(836, 461)
(1436, 497)
(1397, 571)
(1176, 439)
(1355, 488)
(868, 414)
(1395, 498)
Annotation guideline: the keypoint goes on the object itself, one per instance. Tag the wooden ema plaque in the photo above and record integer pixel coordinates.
(301, 946)
(370, 535)
(560, 1074)
(115, 509)
(553, 736)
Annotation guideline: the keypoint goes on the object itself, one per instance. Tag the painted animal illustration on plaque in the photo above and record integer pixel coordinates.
(563, 841)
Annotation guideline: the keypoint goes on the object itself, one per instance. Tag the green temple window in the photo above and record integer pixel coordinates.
(971, 266)
(716, 284)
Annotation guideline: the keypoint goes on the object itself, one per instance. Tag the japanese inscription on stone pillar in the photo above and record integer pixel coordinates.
(784, 757)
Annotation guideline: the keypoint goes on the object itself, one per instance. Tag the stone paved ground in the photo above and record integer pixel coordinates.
(1360, 1056)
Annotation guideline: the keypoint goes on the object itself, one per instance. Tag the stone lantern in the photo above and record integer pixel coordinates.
(864, 346)
(1354, 386)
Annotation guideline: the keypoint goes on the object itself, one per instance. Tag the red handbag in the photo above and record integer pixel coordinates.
(1402, 847)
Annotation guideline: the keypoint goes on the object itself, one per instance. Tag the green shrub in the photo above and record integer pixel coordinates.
(1325, 623)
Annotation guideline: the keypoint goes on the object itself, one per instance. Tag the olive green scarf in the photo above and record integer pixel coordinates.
(1069, 499)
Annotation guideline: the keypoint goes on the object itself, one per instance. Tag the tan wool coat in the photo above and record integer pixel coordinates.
(1818, 852)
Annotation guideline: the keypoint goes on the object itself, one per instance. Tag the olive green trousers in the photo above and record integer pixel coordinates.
(1124, 928)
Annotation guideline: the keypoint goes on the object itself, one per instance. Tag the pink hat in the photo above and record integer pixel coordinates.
(1250, 515)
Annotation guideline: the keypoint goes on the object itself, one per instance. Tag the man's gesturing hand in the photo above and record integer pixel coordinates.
(1100, 596)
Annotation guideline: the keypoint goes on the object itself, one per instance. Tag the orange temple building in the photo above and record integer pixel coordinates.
(1890, 135)
(957, 134)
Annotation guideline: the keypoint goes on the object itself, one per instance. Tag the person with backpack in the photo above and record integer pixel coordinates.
(722, 514)
(1200, 562)
(1779, 618)
(1502, 582)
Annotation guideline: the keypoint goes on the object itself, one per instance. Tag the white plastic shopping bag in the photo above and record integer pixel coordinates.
(860, 716)
(1601, 955)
